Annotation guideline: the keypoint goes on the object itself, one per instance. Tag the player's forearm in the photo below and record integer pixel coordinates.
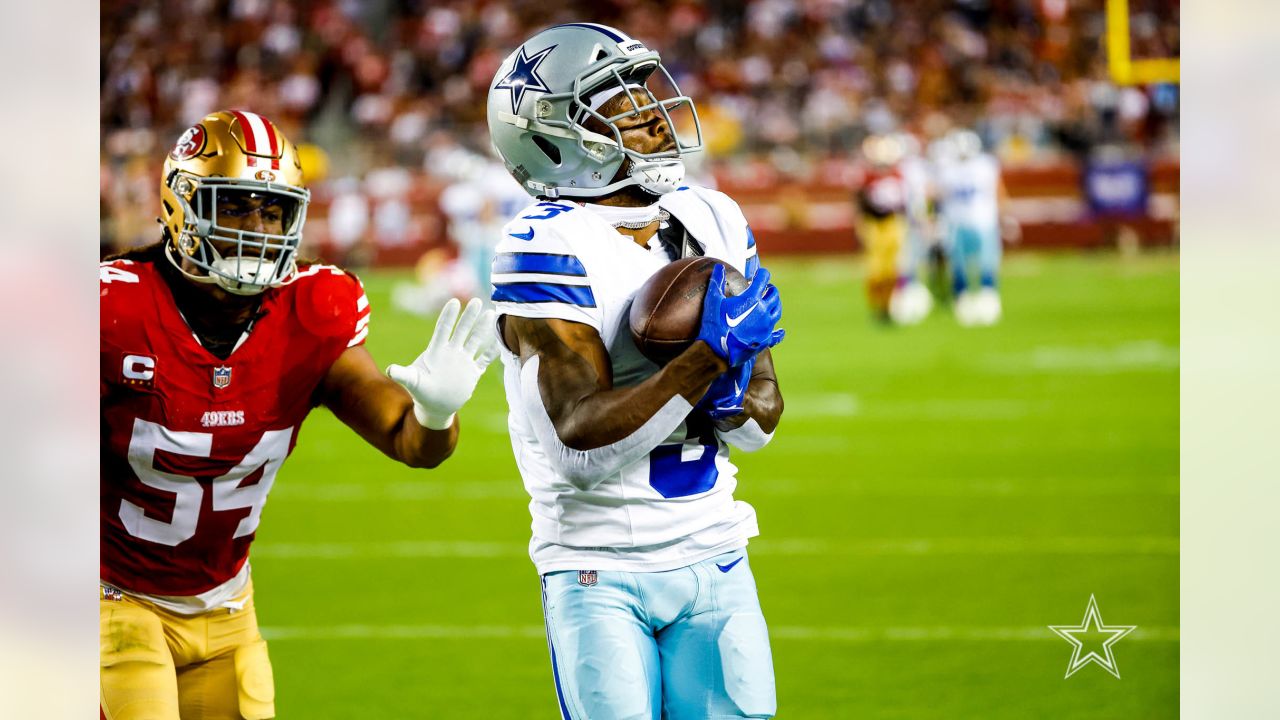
(763, 399)
(606, 417)
(420, 447)
(763, 404)
(381, 412)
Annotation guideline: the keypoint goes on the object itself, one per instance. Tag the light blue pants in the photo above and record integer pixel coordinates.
(969, 245)
(684, 644)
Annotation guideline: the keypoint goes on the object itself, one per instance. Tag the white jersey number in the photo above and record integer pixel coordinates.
(108, 274)
(148, 437)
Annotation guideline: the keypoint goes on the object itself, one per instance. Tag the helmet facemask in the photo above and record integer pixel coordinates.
(238, 259)
(657, 172)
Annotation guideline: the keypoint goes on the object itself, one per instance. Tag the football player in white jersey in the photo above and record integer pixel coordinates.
(650, 605)
(971, 195)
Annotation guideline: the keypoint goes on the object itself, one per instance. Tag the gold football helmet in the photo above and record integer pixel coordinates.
(230, 166)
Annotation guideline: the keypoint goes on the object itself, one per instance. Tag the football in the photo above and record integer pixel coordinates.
(666, 313)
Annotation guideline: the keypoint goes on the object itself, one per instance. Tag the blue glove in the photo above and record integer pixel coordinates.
(738, 327)
(728, 392)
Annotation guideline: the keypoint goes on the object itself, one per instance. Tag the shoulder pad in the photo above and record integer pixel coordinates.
(330, 302)
(692, 198)
(125, 272)
(540, 228)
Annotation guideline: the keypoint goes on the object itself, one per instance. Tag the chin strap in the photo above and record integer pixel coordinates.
(658, 177)
(226, 268)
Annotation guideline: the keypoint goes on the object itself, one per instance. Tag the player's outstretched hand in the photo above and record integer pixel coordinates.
(443, 377)
(738, 327)
(728, 393)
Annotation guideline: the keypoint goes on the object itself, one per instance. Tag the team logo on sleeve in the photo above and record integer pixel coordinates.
(587, 578)
(221, 377)
(138, 370)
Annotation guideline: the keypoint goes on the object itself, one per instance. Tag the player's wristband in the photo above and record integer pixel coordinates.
(432, 422)
(748, 438)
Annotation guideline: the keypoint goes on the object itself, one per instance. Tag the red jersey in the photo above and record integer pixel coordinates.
(883, 193)
(191, 443)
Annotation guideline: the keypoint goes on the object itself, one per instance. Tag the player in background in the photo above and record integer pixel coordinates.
(650, 605)
(477, 206)
(478, 201)
(972, 198)
(911, 300)
(882, 218)
(216, 343)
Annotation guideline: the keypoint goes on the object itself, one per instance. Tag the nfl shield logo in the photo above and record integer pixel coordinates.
(221, 377)
(587, 578)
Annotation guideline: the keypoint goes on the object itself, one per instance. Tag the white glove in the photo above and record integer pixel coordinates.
(443, 377)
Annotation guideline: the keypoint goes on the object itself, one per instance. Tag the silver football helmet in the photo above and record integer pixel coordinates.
(964, 143)
(544, 92)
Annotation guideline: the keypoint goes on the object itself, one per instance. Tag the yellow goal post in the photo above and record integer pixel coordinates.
(1124, 69)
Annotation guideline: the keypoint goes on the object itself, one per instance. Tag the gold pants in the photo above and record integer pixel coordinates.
(159, 665)
(883, 238)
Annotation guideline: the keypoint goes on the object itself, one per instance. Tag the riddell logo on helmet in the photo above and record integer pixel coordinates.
(190, 144)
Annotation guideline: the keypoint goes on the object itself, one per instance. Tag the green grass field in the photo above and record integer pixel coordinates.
(934, 498)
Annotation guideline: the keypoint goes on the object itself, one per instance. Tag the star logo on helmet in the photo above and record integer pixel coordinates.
(524, 76)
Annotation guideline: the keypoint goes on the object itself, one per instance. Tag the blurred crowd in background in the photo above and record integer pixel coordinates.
(386, 98)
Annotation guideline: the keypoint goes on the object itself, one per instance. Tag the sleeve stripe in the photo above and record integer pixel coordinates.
(546, 263)
(579, 295)
(363, 322)
(362, 303)
(504, 278)
(359, 336)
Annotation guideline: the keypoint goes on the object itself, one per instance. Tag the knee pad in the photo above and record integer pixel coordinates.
(254, 681)
(748, 665)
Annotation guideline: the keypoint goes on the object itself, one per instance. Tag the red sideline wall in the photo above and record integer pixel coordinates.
(817, 217)
(793, 218)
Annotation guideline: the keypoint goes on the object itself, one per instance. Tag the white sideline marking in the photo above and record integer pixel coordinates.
(863, 547)
(934, 487)
(1137, 355)
(420, 490)
(807, 633)
(821, 406)
(512, 489)
(408, 549)
(969, 546)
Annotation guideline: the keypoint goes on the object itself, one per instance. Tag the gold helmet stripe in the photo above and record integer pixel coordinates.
(259, 138)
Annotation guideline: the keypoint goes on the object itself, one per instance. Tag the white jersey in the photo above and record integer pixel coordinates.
(675, 507)
(477, 207)
(968, 189)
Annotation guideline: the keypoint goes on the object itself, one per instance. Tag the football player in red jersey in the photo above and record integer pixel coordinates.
(882, 219)
(215, 345)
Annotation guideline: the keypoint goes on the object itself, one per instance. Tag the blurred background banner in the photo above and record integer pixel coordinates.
(386, 100)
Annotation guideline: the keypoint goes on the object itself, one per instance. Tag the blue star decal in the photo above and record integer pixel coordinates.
(524, 76)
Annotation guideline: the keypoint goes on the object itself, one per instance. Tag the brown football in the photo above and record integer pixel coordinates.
(666, 313)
